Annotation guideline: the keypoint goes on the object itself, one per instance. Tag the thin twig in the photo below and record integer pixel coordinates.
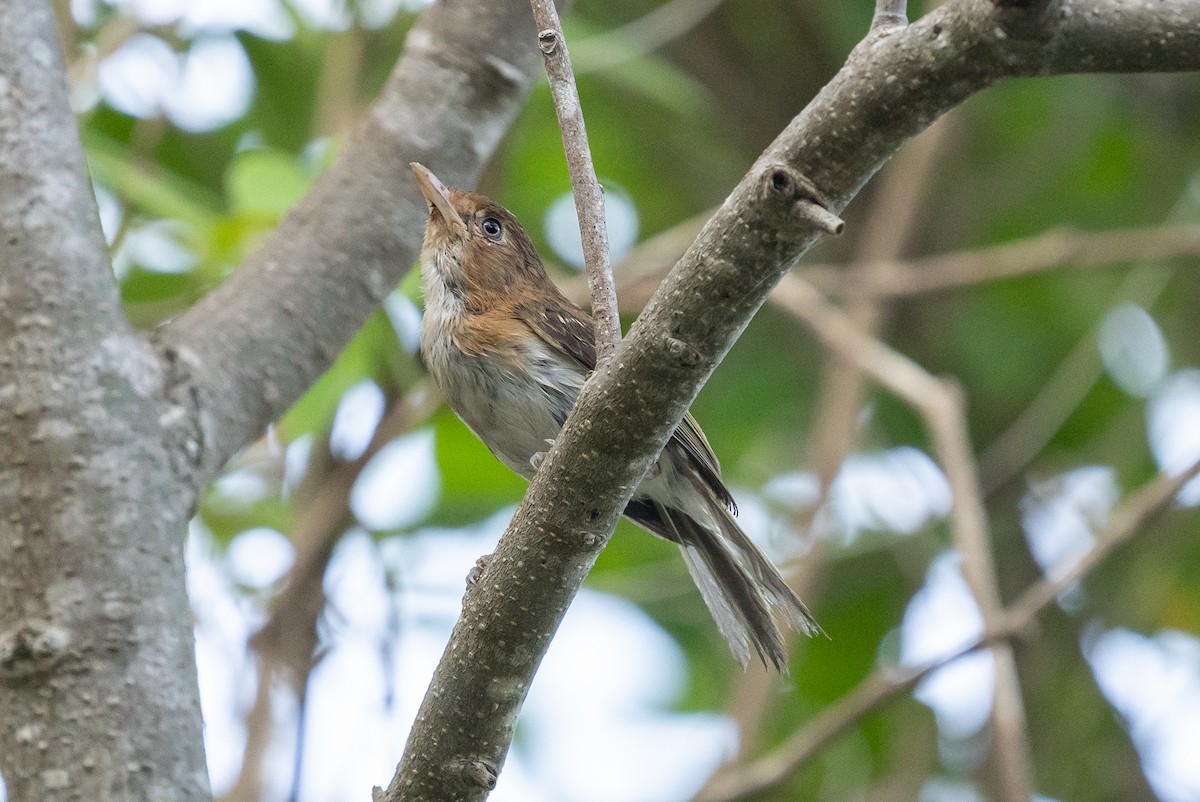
(887, 683)
(1059, 247)
(589, 196)
(890, 14)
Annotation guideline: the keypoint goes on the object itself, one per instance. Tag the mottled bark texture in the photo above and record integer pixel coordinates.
(106, 440)
(98, 696)
(894, 84)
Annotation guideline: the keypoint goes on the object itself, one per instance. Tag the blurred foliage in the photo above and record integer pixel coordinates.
(676, 128)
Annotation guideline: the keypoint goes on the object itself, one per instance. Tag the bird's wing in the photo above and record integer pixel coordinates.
(564, 327)
(691, 439)
(568, 330)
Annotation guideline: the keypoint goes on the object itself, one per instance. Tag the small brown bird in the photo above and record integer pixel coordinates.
(510, 353)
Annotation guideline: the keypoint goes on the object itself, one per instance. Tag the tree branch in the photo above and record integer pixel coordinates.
(630, 406)
(589, 195)
(895, 205)
(287, 643)
(885, 684)
(1060, 395)
(254, 344)
(1053, 249)
(890, 14)
(943, 408)
(658, 27)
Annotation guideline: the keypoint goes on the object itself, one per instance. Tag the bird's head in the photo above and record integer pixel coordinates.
(474, 246)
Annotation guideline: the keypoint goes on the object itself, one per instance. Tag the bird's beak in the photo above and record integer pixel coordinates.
(438, 197)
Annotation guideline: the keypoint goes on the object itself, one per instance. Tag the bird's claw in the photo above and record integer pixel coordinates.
(537, 458)
(476, 572)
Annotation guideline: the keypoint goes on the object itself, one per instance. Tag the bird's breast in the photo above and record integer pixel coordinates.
(505, 384)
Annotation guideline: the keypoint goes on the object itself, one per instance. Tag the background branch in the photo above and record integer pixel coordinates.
(943, 408)
(1053, 249)
(1079, 371)
(885, 684)
(629, 407)
(642, 36)
(589, 196)
(254, 344)
(893, 208)
(287, 644)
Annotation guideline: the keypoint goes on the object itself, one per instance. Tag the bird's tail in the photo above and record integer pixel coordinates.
(739, 585)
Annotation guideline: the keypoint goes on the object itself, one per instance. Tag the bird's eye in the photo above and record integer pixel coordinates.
(491, 228)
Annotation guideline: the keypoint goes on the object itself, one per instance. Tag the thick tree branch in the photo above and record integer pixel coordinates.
(96, 657)
(254, 344)
(630, 407)
(589, 196)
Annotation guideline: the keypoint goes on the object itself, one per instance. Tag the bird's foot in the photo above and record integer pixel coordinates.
(536, 459)
(476, 572)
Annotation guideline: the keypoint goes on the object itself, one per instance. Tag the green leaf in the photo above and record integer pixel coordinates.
(265, 183)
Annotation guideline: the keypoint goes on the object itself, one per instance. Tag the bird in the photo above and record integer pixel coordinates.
(510, 353)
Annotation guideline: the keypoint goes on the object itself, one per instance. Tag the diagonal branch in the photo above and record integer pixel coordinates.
(253, 345)
(630, 406)
(589, 195)
(657, 28)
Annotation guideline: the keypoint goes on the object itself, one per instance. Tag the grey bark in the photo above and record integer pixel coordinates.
(106, 440)
(98, 696)
(258, 341)
(894, 84)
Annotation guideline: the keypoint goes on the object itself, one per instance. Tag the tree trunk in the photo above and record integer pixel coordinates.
(98, 694)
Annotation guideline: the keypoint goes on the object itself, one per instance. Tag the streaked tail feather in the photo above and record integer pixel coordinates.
(738, 599)
(773, 583)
